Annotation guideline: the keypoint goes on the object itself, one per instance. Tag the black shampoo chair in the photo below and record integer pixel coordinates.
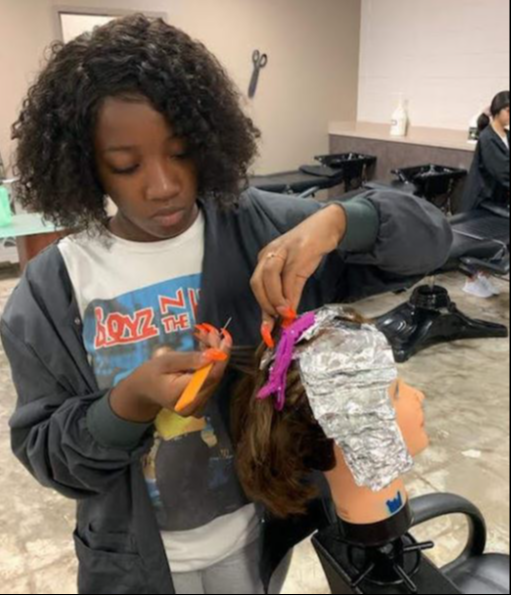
(348, 169)
(435, 183)
(481, 240)
(357, 169)
(474, 572)
(297, 183)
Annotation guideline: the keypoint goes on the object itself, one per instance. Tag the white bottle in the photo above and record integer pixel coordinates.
(400, 120)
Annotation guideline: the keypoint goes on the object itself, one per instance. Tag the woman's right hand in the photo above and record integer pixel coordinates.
(158, 384)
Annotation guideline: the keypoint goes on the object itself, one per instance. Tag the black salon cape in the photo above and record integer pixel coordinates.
(117, 538)
(489, 176)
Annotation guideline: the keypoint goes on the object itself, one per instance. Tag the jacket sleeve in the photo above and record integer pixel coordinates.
(414, 237)
(392, 238)
(51, 429)
(496, 161)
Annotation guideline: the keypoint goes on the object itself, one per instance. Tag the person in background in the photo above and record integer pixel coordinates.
(489, 177)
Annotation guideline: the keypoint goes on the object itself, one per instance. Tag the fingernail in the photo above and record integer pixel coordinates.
(267, 336)
(287, 322)
(209, 328)
(201, 328)
(216, 355)
(288, 313)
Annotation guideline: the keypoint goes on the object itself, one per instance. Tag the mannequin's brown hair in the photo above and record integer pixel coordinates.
(277, 452)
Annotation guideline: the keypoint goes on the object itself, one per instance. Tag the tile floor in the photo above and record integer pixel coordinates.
(468, 416)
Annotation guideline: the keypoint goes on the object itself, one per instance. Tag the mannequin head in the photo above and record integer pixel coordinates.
(277, 451)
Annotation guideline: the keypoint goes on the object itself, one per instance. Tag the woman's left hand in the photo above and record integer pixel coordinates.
(287, 264)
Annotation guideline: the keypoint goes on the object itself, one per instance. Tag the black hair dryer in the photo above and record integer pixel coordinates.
(387, 560)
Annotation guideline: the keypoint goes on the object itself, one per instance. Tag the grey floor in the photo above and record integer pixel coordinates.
(468, 417)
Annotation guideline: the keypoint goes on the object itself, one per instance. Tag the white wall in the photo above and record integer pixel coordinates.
(450, 57)
(311, 78)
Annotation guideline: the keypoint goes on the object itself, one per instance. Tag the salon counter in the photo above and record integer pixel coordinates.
(421, 146)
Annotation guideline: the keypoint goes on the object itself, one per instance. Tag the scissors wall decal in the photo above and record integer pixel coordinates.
(260, 61)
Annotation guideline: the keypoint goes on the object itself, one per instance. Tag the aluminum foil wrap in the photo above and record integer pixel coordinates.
(347, 370)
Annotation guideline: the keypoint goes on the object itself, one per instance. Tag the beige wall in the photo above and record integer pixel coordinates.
(311, 78)
(450, 57)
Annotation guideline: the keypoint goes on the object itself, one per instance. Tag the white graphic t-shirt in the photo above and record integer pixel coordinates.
(136, 299)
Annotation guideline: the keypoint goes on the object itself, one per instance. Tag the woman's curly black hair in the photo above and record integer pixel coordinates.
(131, 56)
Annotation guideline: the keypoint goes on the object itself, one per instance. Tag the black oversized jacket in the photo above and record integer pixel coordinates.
(489, 175)
(117, 538)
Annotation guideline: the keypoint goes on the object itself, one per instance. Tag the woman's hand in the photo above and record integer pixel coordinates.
(287, 264)
(159, 383)
(217, 344)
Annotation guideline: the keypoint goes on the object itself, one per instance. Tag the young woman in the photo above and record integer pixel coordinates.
(100, 331)
(489, 177)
